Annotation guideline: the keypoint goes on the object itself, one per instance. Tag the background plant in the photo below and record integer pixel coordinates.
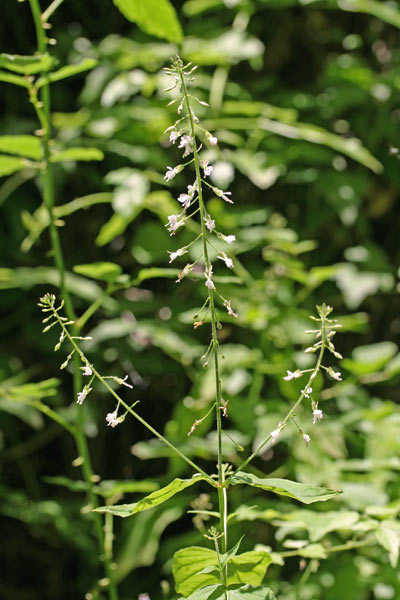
(333, 69)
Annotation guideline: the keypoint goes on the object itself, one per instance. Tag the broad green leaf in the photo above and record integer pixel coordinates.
(156, 17)
(105, 271)
(67, 71)
(10, 164)
(27, 65)
(284, 487)
(381, 10)
(14, 79)
(242, 592)
(318, 524)
(317, 135)
(154, 499)
(371, 358)
(232, 552)
(388, 535)
(22, 145)
(196, 567)
(79, 153)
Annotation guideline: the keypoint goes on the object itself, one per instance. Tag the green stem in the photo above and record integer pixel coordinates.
(49, 200)
(85, 360)
(295, 405)
(219, 402)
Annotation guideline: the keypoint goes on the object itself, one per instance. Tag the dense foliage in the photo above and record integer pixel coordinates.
(303, 97)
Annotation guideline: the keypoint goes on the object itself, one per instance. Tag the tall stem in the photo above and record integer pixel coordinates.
(222, 500)
(49, 200)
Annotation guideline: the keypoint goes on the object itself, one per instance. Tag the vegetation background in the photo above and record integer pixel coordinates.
(290, 84)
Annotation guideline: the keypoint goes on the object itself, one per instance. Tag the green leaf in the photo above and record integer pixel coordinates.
(27, 65)
(382, 10)
(78, 153)
(243, 592)
(22, 145)
(196, 567)
(105, 271)
(67, 71)
(317, 135)
(284, 487)
(371, 358)
(10, 164)
(15, 79)
(156, 17)
(154, 499)
(388, 535)
(318, 524)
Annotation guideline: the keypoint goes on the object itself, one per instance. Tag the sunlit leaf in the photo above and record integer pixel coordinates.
(299, 491)
(105, 271)
(10, 164)
(156, 17)
(84, 154)
(154, 499)
(21, 145)
(27, 65)
(67, 71)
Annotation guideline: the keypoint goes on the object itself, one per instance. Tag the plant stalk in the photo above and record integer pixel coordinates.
(49, 200)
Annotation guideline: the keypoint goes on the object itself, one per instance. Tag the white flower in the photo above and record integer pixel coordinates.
(228, 261)
(192, 189)
(337, 376)
(123, 381)
(310, 349)
(170, 174)
(174, 255)
(186, 143)
(307, 439)
(186, 270)
(227, 304)
(229, 239)
(307, 392)
(112, 419)
(209, 282)
(83, 394)
(274, 435)
(213, 140)
(185, 200)
(295, 375)
(208, 169)
(174, 222)
(87, 370)
(173, 136)
(225, 197)
(317, 415)
(210, 223)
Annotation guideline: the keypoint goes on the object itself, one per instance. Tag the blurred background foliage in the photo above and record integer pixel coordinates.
(304, 98)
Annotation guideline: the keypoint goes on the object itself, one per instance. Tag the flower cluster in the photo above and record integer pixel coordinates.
(323, 335)
(184, 132)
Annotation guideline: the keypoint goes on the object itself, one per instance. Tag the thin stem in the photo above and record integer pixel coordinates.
(102, 379)
(50, 10)
(219, 402)
(49, 200)
(295, 405)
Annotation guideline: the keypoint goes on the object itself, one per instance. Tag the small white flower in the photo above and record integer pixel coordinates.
(225, 197)
(275, 435)
(173, 136)
(227, 304)
(295, 375)
(123, 381)
(228, 261)
(187, 269)
(83, 394)
(180, 107)
(174, 255)
(185, 200)
(310, 349)
(192, 189)
(317, 415)
(87, 370)
(337, 376)
(208, 169)
(209, 282)
(112, 419)
(210, 223)
(307, 439)
(307, 392)
(174, 222)
(229, 239)
(170, 174)
(213, 140)
(186, 143)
